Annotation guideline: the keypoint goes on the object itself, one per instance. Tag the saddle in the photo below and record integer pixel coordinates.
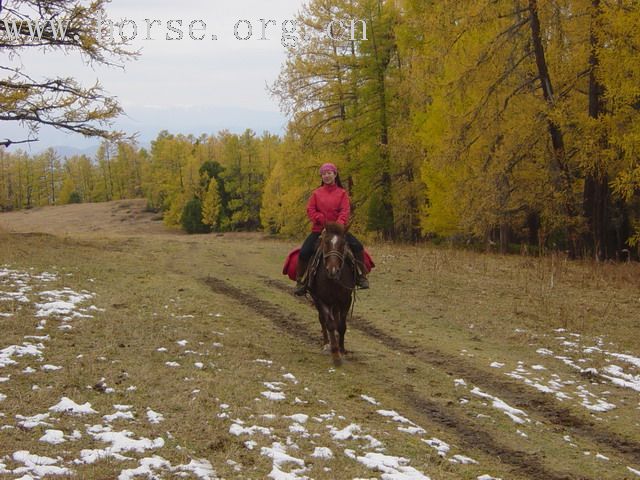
(291, 262)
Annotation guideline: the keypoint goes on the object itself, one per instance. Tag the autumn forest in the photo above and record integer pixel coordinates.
(514, 123)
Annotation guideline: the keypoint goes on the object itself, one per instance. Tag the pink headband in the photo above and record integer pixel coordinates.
(328, 167)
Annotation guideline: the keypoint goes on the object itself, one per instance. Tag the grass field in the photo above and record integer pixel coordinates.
(131, 351)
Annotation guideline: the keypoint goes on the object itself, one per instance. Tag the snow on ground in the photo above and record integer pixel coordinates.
(328, 433)
(585, 384)
(292, 450)
(61, 307)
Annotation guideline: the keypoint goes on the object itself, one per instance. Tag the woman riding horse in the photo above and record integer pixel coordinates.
(328, 203)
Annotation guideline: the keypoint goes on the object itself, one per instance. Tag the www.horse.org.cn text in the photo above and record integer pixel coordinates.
(127, 30)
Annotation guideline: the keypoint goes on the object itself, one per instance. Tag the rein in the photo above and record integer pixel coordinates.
(334, 253)
(340, 256)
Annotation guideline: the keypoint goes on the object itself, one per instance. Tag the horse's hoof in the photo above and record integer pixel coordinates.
(337, 361)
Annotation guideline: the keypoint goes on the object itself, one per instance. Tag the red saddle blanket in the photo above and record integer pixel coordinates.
(291, 263)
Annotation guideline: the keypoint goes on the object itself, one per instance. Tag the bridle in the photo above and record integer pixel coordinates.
(335, 253)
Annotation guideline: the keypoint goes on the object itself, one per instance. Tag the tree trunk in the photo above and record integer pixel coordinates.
(561, 174)
(381, 63)
(504, 238)
(596, 195)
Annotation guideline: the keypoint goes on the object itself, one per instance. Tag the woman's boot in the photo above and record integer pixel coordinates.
(361, 277)
(301, 287)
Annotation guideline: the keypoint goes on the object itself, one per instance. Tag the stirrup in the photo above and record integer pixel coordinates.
(363, 283)
(300, 290)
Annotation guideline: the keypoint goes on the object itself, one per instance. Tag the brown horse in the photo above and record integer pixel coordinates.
(331, 287)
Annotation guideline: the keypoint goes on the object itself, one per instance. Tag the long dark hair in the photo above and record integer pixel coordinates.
(336, 181)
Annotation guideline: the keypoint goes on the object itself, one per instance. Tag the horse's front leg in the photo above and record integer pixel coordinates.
(331, 328)
(325, 335)
(342, 327)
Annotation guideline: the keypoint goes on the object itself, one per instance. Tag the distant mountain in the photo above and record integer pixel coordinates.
(197, 119)
(148, 121)
(67, 151)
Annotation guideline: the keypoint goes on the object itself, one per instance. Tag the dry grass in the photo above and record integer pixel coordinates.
(470, 308)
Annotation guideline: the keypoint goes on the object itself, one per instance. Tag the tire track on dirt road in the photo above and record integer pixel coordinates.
(514, 393)
(470, 434)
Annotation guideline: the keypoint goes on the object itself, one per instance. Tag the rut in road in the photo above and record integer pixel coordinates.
(469, 433)
(515, 394)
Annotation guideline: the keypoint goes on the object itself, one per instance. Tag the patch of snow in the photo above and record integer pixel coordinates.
(274, 396)
(511, 412)
(147, 468)
(54, 437)
(392, 468)
(463, 460)
(442, 447)
(120, 442)
(33, 421)
(633, 470)
(273, 386)
(627, 358)
(201, 468)
(413, 430)
(322, 452)
(298, 429)
(50, 368)
(154, 417)
(66, 405)
(118, 416)
(299, 417)
(369, 399)
(238, 430)
(26, 349)
(346, 432)
(279, 455)
(395, 416)
(38, 465)
(618, 377)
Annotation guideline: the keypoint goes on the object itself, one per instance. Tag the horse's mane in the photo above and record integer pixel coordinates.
(335, 228)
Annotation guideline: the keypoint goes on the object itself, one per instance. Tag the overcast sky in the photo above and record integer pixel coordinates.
(187, 86)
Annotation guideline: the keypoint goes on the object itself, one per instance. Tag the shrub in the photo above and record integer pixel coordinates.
(192, 217)
(74, 197)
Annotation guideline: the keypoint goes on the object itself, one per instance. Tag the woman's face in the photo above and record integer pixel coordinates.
(328, 177)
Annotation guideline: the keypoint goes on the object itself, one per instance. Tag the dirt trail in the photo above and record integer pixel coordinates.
(516, 394)
(468, 432)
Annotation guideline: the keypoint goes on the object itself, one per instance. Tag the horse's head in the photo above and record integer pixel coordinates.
(333, 245)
